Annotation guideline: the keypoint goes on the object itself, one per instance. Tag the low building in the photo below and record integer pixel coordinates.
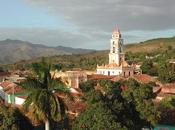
(71, 78)
(11, 93)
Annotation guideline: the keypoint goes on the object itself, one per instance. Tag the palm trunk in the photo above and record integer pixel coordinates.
(47, 127)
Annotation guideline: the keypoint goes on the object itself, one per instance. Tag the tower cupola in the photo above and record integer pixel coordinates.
(116, 33)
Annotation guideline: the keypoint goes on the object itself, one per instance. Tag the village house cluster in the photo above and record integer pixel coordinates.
(117, 69)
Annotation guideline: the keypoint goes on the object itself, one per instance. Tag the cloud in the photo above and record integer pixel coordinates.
(89, 23)
(53, 37)
(105, 14)
(56, 37)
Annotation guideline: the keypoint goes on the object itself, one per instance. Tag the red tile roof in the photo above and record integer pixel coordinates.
(118, 78)
(144, 78)
(14, 90)
(77, 107)
(6, 84)
(168, 88)
(62, 95)
(24, 97)
(99, 76)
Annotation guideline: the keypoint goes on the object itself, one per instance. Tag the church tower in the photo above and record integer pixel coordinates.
(116, 54)
(117, 66)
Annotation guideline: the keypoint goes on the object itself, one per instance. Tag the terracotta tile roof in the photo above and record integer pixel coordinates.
(78, 106)
(99, 76)
(62, 95)
(12, 90)
(144, 78)
(168, 88)
(6, 84)
(24, 97)
(118, 78)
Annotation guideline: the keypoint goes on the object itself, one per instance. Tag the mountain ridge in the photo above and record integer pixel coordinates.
(12, 51)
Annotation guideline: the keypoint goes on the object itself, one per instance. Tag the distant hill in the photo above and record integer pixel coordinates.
(15, 50)
(74, 50)
(159, 44)
(12, 51)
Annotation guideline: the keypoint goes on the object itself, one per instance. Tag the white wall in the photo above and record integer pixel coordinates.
(111, 71)
(19, 101)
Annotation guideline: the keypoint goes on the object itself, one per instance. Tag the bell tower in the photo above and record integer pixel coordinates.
(116, 48)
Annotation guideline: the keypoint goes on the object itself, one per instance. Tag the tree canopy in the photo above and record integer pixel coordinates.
(117, 109)
(13, 119)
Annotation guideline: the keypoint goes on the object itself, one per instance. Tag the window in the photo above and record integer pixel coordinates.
(124, 74)
(113, 49)
(108, 73)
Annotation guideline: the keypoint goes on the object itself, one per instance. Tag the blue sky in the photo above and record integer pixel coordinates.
(15, 13)
(85, 24)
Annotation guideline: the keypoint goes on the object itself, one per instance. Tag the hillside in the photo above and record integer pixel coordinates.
(159, 44)
(15, 50)
(12, 51)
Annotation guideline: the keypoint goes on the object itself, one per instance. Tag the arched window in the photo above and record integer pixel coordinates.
(108, 73)
(124, 74)
(113, 49)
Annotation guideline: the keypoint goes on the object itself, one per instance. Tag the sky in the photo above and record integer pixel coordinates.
(85, 23)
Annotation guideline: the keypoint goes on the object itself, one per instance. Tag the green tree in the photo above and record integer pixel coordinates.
(97, 116)
(41, 88)
(166, 73)
(128, 109)
(168, 103)
(149, 68)
(13, 119)
(167, 106)
(141, 95)
(88, 85)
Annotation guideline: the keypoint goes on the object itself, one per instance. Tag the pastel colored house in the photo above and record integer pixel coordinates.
(11, 93)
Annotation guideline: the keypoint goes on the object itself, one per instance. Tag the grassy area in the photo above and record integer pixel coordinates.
(159, 44)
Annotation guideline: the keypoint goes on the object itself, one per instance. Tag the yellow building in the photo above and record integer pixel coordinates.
(71, 78)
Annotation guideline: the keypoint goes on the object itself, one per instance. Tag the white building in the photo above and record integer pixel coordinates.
(117, 64)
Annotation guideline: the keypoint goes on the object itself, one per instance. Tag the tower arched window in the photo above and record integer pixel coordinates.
(113, 49)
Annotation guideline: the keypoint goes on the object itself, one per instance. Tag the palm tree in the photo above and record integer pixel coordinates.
(41, 88)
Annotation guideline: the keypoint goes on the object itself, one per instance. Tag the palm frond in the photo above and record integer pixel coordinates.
(27, 103)
(41, 88)
(55, 108)
(63, 107)
(31, 84)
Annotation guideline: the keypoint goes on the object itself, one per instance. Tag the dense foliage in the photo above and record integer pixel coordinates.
(167, 108)
(149, 68)
(13, 119)
(108, 106)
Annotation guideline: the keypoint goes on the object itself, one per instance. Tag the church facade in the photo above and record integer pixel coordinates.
(117, 63)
